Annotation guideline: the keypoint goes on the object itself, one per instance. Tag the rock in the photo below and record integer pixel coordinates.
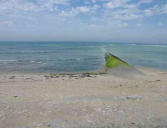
(133, 97)
(12, 77)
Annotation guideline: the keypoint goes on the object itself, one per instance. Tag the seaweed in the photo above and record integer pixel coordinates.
(113, 61)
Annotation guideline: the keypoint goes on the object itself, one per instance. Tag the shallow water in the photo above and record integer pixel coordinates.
(153, 56)
(55, 57)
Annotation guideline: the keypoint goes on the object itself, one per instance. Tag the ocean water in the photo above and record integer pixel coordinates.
(58, 57)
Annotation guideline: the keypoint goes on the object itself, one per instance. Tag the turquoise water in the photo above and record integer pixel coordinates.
(56, 57)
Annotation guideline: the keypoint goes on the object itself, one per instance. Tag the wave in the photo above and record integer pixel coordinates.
(156, 45)
(132, 44)
(153, 45)
(104, 50)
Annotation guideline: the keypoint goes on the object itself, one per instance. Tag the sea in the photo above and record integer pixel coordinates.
(73, 57)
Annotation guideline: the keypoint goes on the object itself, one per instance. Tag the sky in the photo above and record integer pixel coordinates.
(139, 21)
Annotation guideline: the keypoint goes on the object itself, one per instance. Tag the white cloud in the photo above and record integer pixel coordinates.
(83, 9)
(39, 5)
(125, 10)
(68, 13)
(102, 10)
(156, 10)
(116, 4)
(110, 5)
(80, 9)
(58, 2)
(129, 13)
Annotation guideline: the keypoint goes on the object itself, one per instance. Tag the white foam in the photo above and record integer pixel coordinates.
(156, 45)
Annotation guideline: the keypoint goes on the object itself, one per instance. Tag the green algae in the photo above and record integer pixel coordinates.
(113, 61)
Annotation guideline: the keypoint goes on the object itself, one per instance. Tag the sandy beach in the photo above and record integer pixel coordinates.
(84, 101)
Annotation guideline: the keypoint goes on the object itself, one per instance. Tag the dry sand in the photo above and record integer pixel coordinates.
(94, 101)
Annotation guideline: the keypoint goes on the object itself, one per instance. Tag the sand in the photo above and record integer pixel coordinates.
(91, 101)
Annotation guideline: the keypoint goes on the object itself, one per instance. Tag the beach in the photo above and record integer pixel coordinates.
(83, 64)
(84, 100)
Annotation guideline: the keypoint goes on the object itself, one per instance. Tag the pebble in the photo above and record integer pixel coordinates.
(133, 97)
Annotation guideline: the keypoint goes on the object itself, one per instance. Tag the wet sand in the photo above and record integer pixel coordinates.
(84, 101)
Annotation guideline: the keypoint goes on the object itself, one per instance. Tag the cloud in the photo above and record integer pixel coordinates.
(26, 5)
(83, 9)
(145, 1)
(156, 10)
(78, 10)
(116, 4)
(104, 11)
(117, 9)
(80, 16)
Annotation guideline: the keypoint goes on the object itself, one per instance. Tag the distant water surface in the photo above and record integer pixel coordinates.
(56, 57)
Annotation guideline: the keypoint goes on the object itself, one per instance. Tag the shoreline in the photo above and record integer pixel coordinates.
(138, 73)
(94, 72)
